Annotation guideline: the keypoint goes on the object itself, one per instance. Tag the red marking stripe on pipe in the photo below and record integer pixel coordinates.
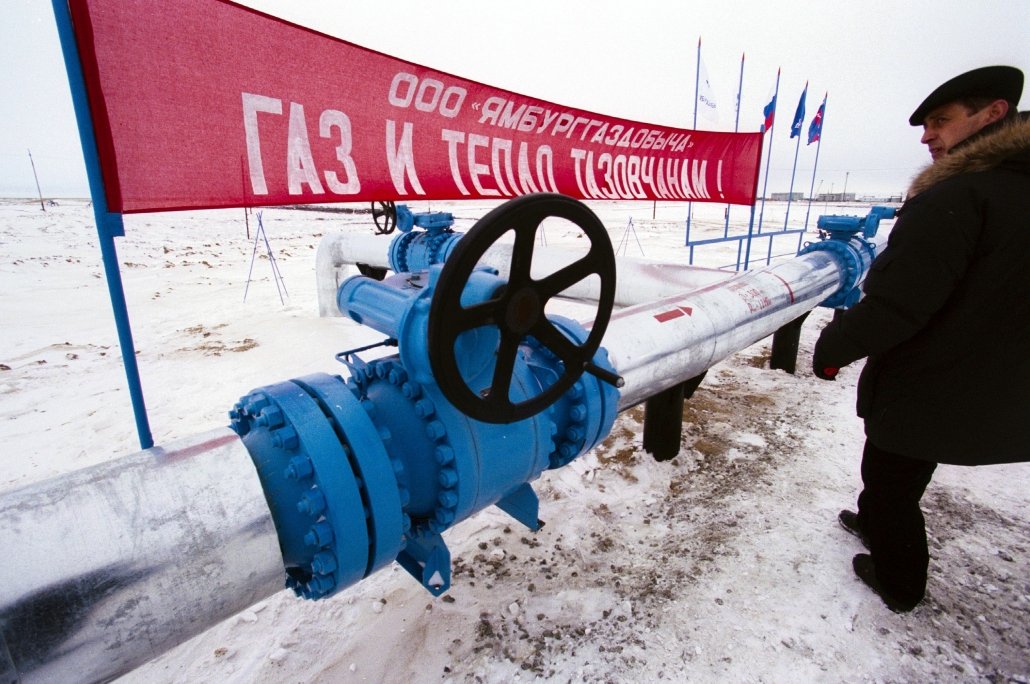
(673, 314)
(787, 285)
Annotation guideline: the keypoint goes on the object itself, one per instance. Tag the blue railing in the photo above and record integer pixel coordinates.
(742, 240)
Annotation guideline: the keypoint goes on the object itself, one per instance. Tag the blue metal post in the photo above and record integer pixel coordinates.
(109, 224)
(750, 234)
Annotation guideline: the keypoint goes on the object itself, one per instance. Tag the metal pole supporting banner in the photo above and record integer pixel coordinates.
(109, 224)
(36, 177)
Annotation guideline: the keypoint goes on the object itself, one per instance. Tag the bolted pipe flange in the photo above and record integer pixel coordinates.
(854, 256)
(313, 492)
(398, 256)
(364, 446)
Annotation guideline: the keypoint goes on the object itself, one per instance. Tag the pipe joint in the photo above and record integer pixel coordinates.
(854, 256)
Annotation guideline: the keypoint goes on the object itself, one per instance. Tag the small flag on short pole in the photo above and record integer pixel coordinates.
(770, 109)
(706, 102)
(815, 134)
(815, 129)
(799, 115)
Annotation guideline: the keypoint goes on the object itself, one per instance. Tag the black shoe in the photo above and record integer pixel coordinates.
(866, 571)
(849, 521)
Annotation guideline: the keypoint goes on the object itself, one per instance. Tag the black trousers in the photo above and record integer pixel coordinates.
(889, 514)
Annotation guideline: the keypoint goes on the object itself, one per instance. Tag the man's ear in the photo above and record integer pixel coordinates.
(996, 111)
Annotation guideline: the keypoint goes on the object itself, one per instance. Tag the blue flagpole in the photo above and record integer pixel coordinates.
(812, 188)
(790, 194)
(797, 149)
(697, 80)
(736, 128)
(765, 185)
(819, 144)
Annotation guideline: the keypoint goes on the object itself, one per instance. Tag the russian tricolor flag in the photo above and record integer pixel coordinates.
(815, 129)
(770, 113)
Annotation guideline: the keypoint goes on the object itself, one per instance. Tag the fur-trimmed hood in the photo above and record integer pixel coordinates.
(1008, 142)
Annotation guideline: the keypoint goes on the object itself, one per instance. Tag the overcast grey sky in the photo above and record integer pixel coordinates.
(877, 59)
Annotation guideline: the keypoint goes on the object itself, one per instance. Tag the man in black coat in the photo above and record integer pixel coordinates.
(945, 324)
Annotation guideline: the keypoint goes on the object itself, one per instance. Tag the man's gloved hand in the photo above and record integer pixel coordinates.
(833, 350)
(824, 372)
(822, 369)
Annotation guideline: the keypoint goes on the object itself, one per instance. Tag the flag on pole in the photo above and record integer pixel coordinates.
(799, 114)
(770, 113)
(815, 129)
(740, 89)
(706, 103)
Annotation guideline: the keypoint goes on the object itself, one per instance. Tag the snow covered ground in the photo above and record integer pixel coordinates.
(726, 564)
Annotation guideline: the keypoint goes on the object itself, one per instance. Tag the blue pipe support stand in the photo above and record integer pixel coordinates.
(364, 471)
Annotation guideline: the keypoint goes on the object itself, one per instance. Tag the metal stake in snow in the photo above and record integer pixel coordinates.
(280, 284)
(38, 191)
(624, 242)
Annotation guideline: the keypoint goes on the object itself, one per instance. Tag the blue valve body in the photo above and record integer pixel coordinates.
(364, 471)
(413, 251)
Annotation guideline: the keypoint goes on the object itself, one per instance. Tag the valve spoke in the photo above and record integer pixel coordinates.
(563, 279)
(506, 353)
(562, 347)
(475, 316)
(522, 255)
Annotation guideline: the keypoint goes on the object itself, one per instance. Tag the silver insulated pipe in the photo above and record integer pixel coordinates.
(658, 345)
(640, 280)
(108, 567)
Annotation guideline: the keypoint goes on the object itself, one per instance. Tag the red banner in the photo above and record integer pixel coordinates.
(205, 103)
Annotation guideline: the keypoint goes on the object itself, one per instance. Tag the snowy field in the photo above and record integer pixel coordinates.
(726, 564)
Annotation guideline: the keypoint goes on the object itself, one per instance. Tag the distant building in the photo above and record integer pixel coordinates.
(785, 196)
(836, 197)
(881, 199)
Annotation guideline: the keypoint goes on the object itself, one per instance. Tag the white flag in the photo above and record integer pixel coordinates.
(706, 104)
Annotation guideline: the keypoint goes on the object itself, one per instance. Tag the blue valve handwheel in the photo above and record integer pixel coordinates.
(517, 310)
